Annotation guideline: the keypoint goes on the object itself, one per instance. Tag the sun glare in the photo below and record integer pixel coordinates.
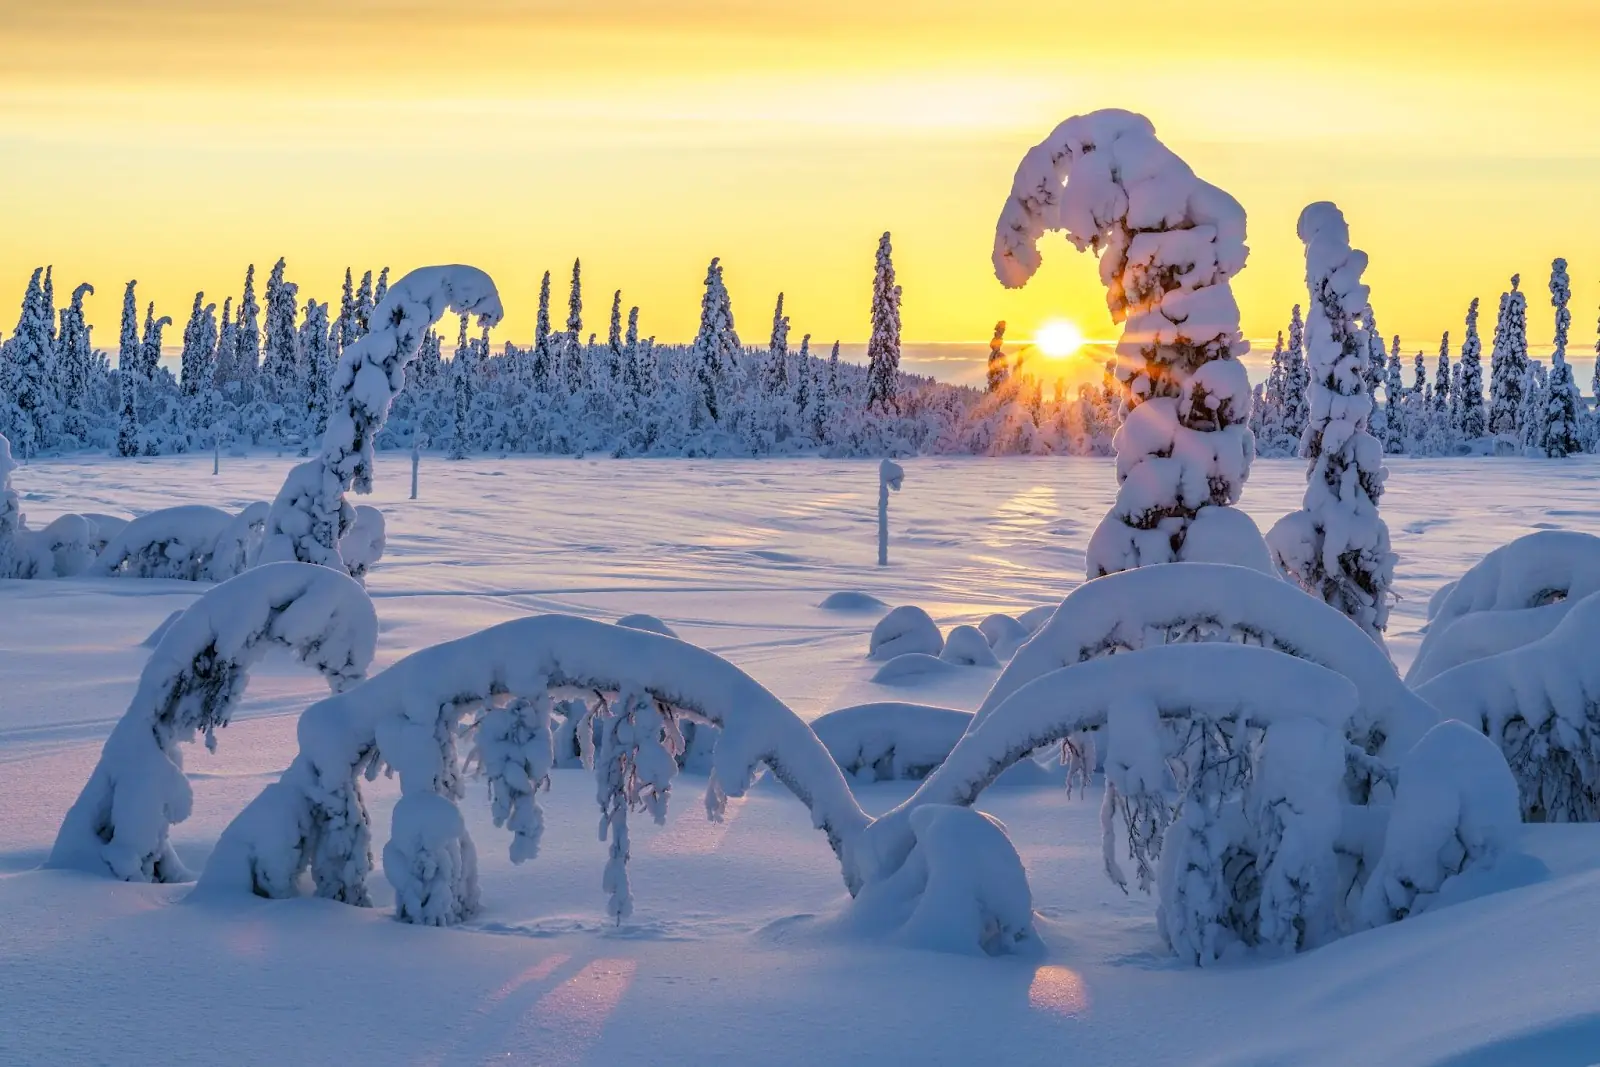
(1058, 339)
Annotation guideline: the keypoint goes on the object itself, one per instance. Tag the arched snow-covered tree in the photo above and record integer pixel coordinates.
(1337, 547)
(1170, 245)
(310, 514)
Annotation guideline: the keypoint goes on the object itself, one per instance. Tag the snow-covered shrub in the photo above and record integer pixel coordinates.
(961, 889)
(905, 629)
(173, 542)
(1536, 570)
(1169, 245)
(966, 645)
(1538, 704)
(407, 718)
(1208, 602)
(890, 740)
(1453, 811)
(236, 546)
(431, 862)
(310, 517)
(64, 548)
(647, 622)
(71, 542)
(191, 683)
(914, 668)
(1336, 547)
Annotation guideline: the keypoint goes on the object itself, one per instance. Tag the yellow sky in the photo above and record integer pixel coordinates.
(176, 140)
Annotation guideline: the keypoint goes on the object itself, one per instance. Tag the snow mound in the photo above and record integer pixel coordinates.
(967, 647)
(1537, 704)
(1455, 810)
(890, 740)
(362, 546)
(905, 629)
(646, 622)
(191, 683)
(1539, 569)
(1004, 634)
(1034, 618)
(962, 888)
(237, 544)
(1188, 602)
(851, 600)
(914, 668)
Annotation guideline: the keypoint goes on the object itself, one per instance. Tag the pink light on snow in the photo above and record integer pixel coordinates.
(569, 1019)
(1059, 990)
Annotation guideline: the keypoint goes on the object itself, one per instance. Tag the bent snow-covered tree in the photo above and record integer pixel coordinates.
(191, 683)
(1336, 547)
(310, 515)
(1169, 246)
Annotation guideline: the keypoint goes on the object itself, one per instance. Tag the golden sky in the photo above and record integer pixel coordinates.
(176, 140)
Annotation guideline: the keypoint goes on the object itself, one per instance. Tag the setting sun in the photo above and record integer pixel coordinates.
(1058, 339)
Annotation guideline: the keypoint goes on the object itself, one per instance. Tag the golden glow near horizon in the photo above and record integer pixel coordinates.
(175, 141)
(1058, 338)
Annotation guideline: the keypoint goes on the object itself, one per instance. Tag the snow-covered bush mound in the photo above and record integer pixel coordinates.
(851, 600)
(1034, 618)
(1538, 704)
(362, 545)
(1455, 809)
(1534, 571)
(310, 518)
(967, 647)
(1004, 634)
(238, 543)
(1208, 602)
(64, 548)
(914, 668)
(503, 681)
(646, 622)
(174, 542)
(890, 740)
(961, 889)
(191, 683)
(1169, 245)
(905, 629)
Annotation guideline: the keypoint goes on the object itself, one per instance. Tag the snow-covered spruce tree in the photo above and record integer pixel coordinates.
(1473, 422)
(247, 331)
(310, 513)
(361, 311)
(1509, 362)
(227, 345)
(716, 344)
(281, 368)
(1394, 427)
(381, 288)
(75, 365)
(461, 388)
(614, 349)
(1297, 381)
(1170, 244)
(543, 358)
(316, 348)
(633, 370)
(346, 332)
(883, 348)
(1266, 408)
(150, 347)
(195, 371)
(33, 371)
(777, 376)
(996, 372)
(1337, 547)
(572, 343)
(1442, 396)
(1559, 426)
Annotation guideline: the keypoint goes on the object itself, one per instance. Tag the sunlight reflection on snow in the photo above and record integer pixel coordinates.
(572, 1015)
(1058, 989)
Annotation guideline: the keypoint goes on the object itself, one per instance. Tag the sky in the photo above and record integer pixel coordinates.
(175, 141)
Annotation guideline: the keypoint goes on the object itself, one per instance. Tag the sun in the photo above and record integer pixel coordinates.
(1058, 339)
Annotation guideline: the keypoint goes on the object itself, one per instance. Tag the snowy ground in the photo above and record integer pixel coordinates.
(731, 956)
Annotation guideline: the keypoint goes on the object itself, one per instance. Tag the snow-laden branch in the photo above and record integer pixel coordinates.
(1539, 704)
(1519, 588)
(310, 515)
(405, 717)
(176, 542)
(1169, 245)
(1213, 602)
(191, 684)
